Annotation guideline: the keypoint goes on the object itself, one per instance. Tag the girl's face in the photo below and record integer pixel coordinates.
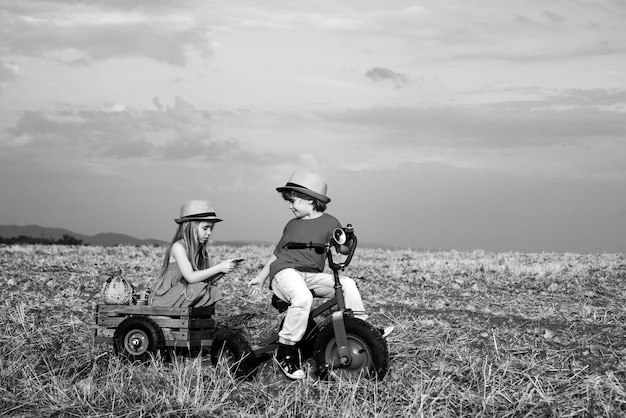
(204, 231)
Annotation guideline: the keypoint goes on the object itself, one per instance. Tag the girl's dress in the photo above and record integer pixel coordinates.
(173, 290)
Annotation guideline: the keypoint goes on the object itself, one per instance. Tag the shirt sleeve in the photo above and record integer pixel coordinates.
(281, 241)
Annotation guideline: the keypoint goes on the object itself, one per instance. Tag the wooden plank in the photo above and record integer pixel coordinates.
(186, 335)
(105, 332)
(191, 323)
(155, 310)
(168, 334)
(171, 338)
(180, 331)
(103, 340)
(179, 344)
(162, 321)
(206, 343)
(200, 323)
(198, 335)
(203, 311)
(188, 344)
(167, 343)
(142, 310)
(111, 322)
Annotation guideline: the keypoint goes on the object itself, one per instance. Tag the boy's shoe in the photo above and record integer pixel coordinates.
(386, 331)
(287, 360)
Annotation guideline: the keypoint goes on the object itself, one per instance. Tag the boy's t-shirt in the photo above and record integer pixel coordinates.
(317, 231)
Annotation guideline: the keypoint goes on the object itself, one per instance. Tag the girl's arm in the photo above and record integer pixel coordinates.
(195, 276)
(256, 284)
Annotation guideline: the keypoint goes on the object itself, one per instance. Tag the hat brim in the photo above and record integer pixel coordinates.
(304, 191)
(197, 218)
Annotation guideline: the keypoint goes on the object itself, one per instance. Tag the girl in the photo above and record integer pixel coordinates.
(186, 278)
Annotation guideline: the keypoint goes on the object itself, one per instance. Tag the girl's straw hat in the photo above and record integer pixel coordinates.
(308, 184)
(197, 210)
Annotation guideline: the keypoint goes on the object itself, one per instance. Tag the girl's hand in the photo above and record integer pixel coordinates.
(226, 266)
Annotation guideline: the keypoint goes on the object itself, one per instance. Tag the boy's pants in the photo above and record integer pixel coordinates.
(293, 286)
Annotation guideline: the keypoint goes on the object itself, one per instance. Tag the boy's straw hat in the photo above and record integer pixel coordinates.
(309, 184)
(197, 210)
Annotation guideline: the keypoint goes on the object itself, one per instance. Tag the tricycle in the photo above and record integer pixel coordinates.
(337, 342)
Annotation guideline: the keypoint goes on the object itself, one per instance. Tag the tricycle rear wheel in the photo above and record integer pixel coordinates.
(231, 350)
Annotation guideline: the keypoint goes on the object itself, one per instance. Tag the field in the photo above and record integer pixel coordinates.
(476, 334)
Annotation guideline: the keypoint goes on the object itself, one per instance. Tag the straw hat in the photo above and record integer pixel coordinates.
(197, 210)
(308, 184)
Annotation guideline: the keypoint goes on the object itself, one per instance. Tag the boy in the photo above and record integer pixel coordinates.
(294, 273)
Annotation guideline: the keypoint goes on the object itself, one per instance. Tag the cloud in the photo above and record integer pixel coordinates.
(83, 33)
(157, 103)
(563, 116)
(177, 132)
(569, 134)
(378, 74)
(603, 99)
(9, 72)
(515, 31)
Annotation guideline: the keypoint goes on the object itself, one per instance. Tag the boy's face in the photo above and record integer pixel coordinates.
(301, 208)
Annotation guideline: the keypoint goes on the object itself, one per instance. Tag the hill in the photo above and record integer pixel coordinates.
(110, 238)
(103, 239)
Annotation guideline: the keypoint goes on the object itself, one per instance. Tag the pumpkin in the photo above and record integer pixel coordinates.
(118, 291)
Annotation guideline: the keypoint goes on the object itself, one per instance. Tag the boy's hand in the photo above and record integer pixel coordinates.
(255, 286)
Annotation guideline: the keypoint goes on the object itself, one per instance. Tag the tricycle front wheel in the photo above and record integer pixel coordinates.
(369, 354)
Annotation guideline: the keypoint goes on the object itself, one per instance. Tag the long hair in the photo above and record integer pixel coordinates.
(198, 254)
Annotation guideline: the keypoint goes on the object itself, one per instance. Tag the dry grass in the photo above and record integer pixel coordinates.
(477, 334)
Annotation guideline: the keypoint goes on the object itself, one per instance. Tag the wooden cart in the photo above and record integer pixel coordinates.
(138, 332)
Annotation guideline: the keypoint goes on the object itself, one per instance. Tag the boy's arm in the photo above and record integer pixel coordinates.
(256, 284)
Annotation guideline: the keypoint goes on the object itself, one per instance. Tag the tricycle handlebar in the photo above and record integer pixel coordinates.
(303, 245)
(343, 239)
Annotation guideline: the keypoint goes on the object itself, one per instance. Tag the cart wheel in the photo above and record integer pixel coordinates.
(138, 339)
(230, 349)
(368, 350)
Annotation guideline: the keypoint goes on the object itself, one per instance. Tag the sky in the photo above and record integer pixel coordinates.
(443, 124)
